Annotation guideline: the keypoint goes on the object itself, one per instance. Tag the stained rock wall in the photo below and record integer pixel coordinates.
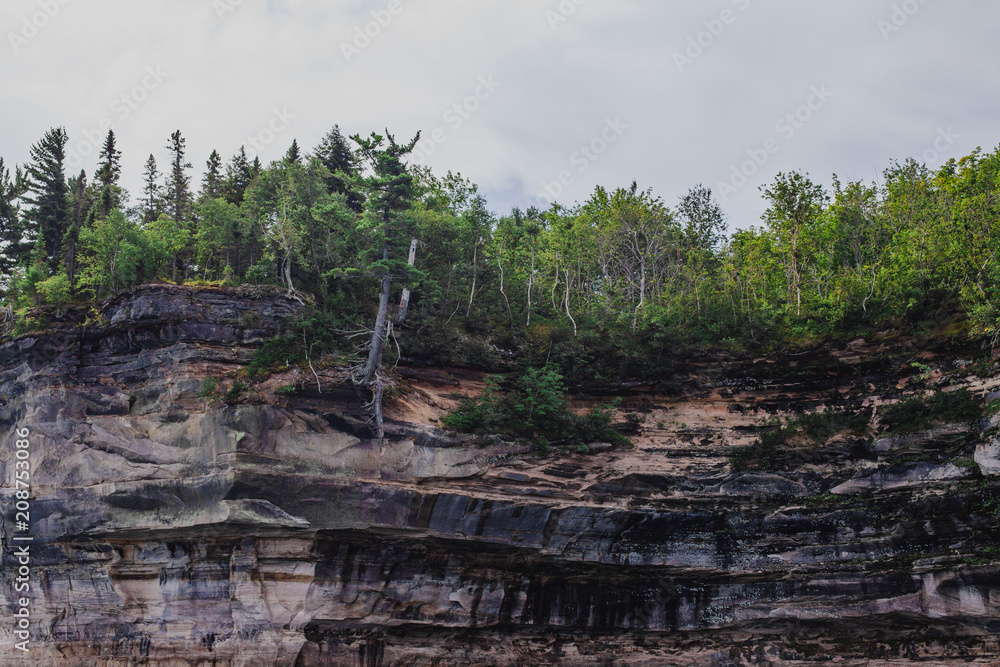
(174, 528)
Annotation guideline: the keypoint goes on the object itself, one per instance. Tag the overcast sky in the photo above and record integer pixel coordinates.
(552, 97)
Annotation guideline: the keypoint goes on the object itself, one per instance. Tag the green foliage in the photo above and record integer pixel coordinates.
(209, 388)
(236, 391)
(769, 451)
(56, 291)
(286, 390)
(821, 426)
(277, 352)
(920, 412)
(533, 405)
(113, 250)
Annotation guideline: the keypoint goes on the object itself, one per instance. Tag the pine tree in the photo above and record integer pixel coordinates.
(79, 205)
(48, 216)
(336, 155)
(152, 198)
(392, 190)
(178, 186)
(238, 177)
(211, 183)
(293, 155)
(108, 172)
(14, 248)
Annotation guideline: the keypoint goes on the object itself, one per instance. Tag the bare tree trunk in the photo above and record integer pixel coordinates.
(552, 296)
(404, 301)
(472, 292)
(371, 375)
(510, 315)
(567, 303)
(642, 293)
(531, 275)
(378, 335)
(286, 278)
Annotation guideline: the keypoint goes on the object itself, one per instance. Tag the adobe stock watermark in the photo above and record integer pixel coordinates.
(714, 29)
(943, 143)
(787, 127)
(899, 17)
(121, 108)
(280, 120)
(363, 35)
(561, 14)
(32, 24)
(223, 7)
(455, 116)
(582, 158)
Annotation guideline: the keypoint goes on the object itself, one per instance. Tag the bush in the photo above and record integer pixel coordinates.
(919, 412)
(56, 291)
(277, 352)
(768, 452)
(532, 405)
(234, 393)
(209, 388)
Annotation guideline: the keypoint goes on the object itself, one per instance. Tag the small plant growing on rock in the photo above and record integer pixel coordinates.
(236, 391)
(919, 412)
(209, 389)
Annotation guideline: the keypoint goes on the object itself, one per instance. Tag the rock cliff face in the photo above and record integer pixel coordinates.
(174, 528)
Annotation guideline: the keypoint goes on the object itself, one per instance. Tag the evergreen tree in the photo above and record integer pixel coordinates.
(392, 190)
(152, 198)
(336, 155)
(108, 172)
(178, 186)
(79, 206)
(14, 248)
(293, 154)
(48, 216)
(211, 183)
(239, 176)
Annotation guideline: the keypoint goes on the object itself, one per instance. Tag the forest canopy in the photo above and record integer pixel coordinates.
(601, 288)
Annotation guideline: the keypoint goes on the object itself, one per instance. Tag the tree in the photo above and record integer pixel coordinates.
(796, 204)
(48, 216)
(239, 176)
(178, 187)
(336, 155)
(391, 190)
(81, 208)
(15, 249)
(294, 155)
(178, 190)
(152, 198)
(211, 183)
(112, 251)
(108, 172)
(56, 291)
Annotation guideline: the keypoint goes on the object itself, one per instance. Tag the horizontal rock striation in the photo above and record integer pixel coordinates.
(174, 527)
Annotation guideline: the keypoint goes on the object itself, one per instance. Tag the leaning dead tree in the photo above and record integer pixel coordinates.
(391, 191)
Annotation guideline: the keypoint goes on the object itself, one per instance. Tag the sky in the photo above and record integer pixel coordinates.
(534, 100)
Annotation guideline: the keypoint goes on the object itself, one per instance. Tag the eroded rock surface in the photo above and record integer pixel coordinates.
(171, 528)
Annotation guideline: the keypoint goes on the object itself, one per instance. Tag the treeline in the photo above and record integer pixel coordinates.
(605, 287)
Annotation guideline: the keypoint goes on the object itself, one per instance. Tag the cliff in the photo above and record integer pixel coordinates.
(174, 523)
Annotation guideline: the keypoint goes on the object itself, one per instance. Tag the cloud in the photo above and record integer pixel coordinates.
(230, 69)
